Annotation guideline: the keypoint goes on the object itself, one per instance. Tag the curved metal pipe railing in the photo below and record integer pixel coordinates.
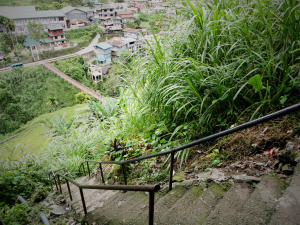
(172, 151)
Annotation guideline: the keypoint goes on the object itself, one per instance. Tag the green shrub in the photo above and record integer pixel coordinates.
(18, 214)
(22, 182)
(8, 59)
(25, 94)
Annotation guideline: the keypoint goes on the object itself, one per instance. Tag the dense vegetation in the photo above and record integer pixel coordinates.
(29, 92)
(75, 68)
(219, 64)
(83, 36)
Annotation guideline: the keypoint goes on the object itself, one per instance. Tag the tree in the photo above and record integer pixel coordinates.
(130, 24)
(3, 47)
(125, 56)
(137, 21)
(9, 26)
(36, 32)
(18, 49)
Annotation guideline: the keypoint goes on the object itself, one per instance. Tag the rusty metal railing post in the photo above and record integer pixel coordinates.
(88, 167)
(101, 171)
(124, 174)
(69, 190)
(54, 180)
(151, 208)
(82, 199)
(171, 171)
(83, 169)
(59, 184)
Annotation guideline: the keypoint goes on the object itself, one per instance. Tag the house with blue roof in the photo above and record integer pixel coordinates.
(103, 53)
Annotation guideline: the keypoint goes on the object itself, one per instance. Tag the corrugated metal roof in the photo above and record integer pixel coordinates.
(46, 40)
(126, 16)
(103, 45)
(29, 42)
(55, 28)
(131, 30)
(70, 8)
(53, 35)
(101, 59)
(21, 12)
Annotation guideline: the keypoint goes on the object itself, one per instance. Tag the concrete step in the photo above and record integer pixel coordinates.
(288, 209)
(122, 209)
(93, 198)
(241, 204)
(261, 204)
(230, 207)
(174, 214)
(166, 202)
(202, 206)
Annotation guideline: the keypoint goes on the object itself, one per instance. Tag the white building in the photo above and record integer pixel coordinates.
(48, 18)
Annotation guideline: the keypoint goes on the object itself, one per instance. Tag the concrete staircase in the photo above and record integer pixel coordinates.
(267, 203)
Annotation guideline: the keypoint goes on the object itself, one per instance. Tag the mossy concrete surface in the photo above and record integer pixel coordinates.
(288, 209)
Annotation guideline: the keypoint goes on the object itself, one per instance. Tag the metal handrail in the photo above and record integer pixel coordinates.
(172, 151)
(53, 177)
(145, 188)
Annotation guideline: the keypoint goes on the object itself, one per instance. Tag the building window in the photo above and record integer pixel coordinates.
(45, 19)
(55, 37)
(26, 20)
(18, 21)
(60, 19)
(111, 14)
(111, 10)
(53, 19)
(37, 20)
(61, 36)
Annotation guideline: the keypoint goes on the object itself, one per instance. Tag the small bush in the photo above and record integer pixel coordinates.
(19, 182)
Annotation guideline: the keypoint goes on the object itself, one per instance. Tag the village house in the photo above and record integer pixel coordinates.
(56, 38)
(107, 16)
(140, 6)
(118, 46)
(155, 2)
(133, 2)
(97, 72)
(105, 11)
(125, 15)
(114, 30)
(103, 53)
(132, 33)
(131, 44)
(48, 18)
(76, 23)
(120, 6)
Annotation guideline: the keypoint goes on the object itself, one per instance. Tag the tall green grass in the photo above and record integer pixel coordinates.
(221, 61)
